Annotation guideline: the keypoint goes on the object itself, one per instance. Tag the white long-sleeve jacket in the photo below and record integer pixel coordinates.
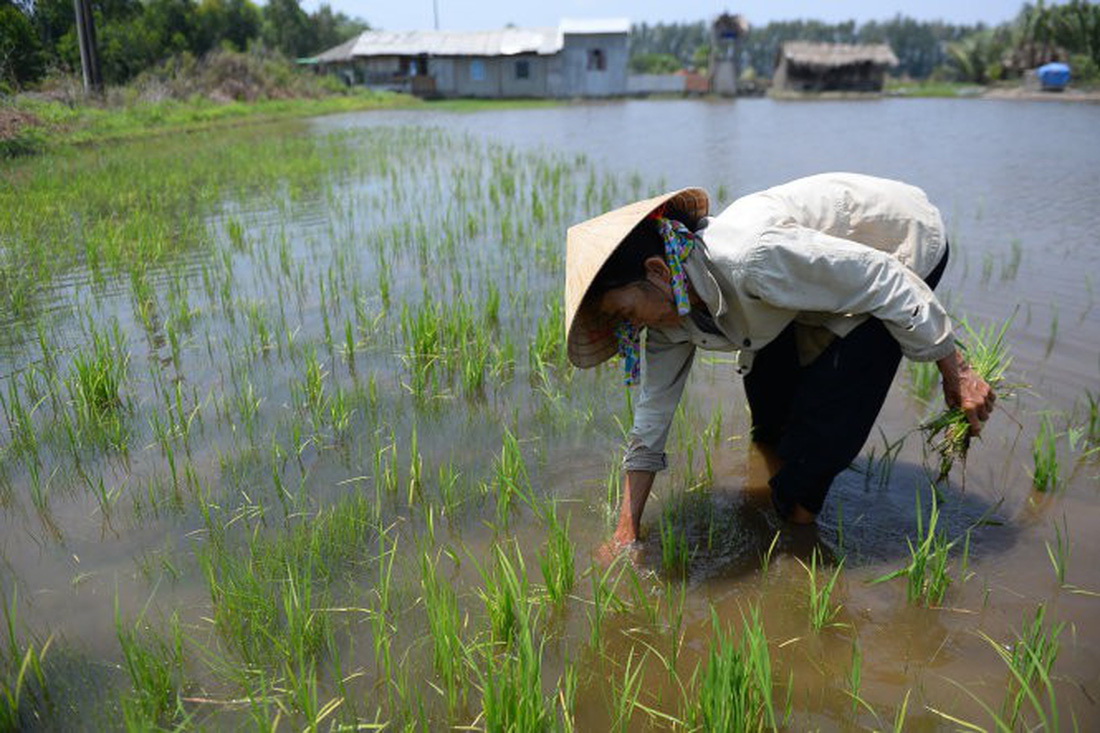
(826, 252)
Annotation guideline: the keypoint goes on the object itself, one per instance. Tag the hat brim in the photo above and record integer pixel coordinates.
(590, 339)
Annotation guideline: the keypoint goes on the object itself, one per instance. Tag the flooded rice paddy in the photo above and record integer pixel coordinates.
(289, 439)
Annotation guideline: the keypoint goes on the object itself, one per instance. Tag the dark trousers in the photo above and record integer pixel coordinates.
(817, 417)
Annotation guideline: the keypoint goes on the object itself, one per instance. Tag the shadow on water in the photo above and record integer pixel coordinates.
(729, 528)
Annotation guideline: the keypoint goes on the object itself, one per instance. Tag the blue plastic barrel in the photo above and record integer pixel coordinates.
(1054, 76)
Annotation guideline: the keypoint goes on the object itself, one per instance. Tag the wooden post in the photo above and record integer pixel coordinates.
(89, 54)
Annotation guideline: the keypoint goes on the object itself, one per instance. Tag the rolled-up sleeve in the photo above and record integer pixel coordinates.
(664, 372)
(801, 269)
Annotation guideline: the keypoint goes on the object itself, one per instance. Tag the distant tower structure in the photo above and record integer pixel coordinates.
(726, 35)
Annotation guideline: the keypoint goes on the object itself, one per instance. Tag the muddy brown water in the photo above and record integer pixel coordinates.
(1019, 185)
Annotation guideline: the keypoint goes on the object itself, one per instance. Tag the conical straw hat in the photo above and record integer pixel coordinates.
(589, 244)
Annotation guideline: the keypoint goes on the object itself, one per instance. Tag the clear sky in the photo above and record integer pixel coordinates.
(488, 14)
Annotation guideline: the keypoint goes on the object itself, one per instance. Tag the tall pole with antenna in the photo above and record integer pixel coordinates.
(435, 12)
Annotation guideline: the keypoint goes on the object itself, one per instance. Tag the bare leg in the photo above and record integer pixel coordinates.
(636, 490)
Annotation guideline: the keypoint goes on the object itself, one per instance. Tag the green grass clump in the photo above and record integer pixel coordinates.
(734, 691)
(948, 434)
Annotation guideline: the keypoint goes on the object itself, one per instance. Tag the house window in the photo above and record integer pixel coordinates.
(523, 69)
(596, 60)
(477, 70)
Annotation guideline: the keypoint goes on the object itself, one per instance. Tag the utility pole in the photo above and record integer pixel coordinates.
(435, 12)
(89, 54)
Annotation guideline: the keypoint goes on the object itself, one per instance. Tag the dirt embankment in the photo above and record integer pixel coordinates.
(1037, 95)
(14, 121)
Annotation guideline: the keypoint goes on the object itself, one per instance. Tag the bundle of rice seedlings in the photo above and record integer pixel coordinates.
(948, 433)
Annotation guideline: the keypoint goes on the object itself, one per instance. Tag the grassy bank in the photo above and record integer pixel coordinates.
(927, 88)
(35, 124)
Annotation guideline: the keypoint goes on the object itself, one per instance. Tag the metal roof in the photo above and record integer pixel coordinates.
(594, 26)
(502, 42)
(828, 55)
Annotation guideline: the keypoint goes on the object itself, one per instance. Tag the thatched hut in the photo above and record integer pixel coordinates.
(832, 67)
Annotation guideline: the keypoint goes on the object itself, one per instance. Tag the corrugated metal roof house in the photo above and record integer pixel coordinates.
(577, 59)
(825, 67)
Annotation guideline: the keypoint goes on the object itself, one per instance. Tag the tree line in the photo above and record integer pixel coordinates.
(925, 49)
(37, 36)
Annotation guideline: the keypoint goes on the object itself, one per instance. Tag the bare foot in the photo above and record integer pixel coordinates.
(801, 515)
(613, 549)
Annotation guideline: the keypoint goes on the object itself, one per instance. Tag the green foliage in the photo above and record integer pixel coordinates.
(655, 63)
(136, 36)
(20, 48)
(977, 57)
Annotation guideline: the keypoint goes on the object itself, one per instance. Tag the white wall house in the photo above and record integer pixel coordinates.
(579, 58)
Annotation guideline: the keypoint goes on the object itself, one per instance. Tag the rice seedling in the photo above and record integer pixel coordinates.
(506, 595)
(512, 698)
(604, 599)
(1011, 266)
(626, 692)
(510, 479)
(675, 551)
(927, 576)
(567, 698)
(924, 378)
(822, 610)
(902, 712)
(155, 667)
(987, 267)
(449, 654)
(1052, 334)
(21, 673)
(1059, 554)
(1044, 453)
(855, 677)
(948, 434)
(96, 380)
(557, 558)
(382, 606)
(1030, 661)
(766, 557)
(734, 691)
(1092, 423)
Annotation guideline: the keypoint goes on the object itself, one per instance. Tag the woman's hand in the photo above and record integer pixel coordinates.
(965, 389)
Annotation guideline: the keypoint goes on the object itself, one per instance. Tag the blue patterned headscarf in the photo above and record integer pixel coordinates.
(678, 241)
